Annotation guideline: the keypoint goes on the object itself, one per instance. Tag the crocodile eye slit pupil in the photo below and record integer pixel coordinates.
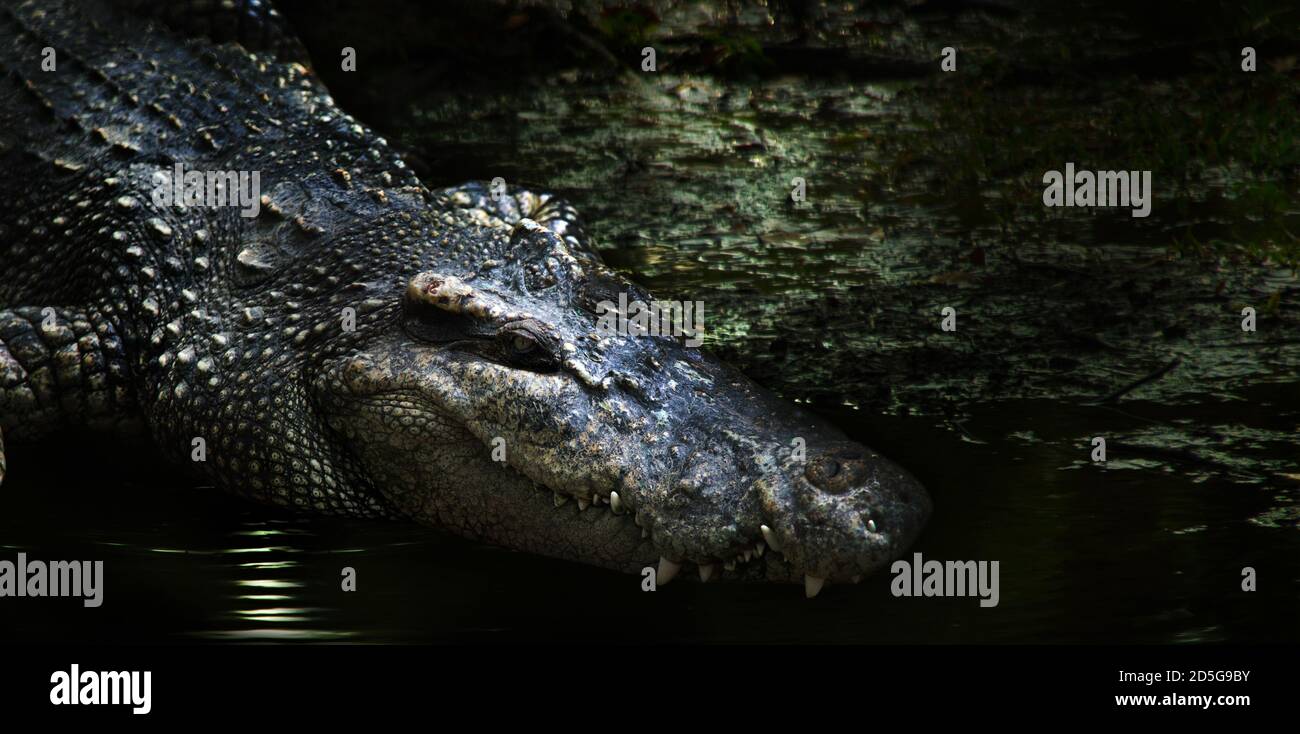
(522, 344)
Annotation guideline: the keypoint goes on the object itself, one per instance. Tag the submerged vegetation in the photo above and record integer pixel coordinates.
(1226, 158)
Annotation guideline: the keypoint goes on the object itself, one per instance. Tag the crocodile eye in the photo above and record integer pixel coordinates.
(523, 344)
(529, 344)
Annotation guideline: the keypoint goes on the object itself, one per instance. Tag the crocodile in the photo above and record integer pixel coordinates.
(344, 339)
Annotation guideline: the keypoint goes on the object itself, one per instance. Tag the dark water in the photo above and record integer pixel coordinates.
(1126, 553)
(923, 193)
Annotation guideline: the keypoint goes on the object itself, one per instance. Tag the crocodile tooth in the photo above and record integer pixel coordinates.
(871, 525)
(595, 499)
(759, 548)
(616, 503)
(583, 504)
(667, 570)
(645, 533)
(729, 565)
(747, 554)
(706, 571)
(770, 537)
(812, 585)
(559, 499)
(857, 579)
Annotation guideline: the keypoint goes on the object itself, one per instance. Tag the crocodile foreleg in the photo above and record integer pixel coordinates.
(60, 367)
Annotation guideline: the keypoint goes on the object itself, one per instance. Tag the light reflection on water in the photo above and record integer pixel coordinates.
(269, 583)
(278, 635)
(292, 617)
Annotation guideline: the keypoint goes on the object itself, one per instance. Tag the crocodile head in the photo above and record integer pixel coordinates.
(503, 404)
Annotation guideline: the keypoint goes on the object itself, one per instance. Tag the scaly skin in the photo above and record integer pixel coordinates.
(475, 329)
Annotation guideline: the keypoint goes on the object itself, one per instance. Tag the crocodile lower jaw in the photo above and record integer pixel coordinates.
(743, 560)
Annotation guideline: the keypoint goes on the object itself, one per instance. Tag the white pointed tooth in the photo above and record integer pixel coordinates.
(770, 537)
(667, 570)
(758, 549)
(559, 499)
(747, 554)
(706, 571)
(857, 579)
(812, 586)
(645, 533)
(583, 504)
(871, 525)
(595, 500)
(729, 565)
(616, 503)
